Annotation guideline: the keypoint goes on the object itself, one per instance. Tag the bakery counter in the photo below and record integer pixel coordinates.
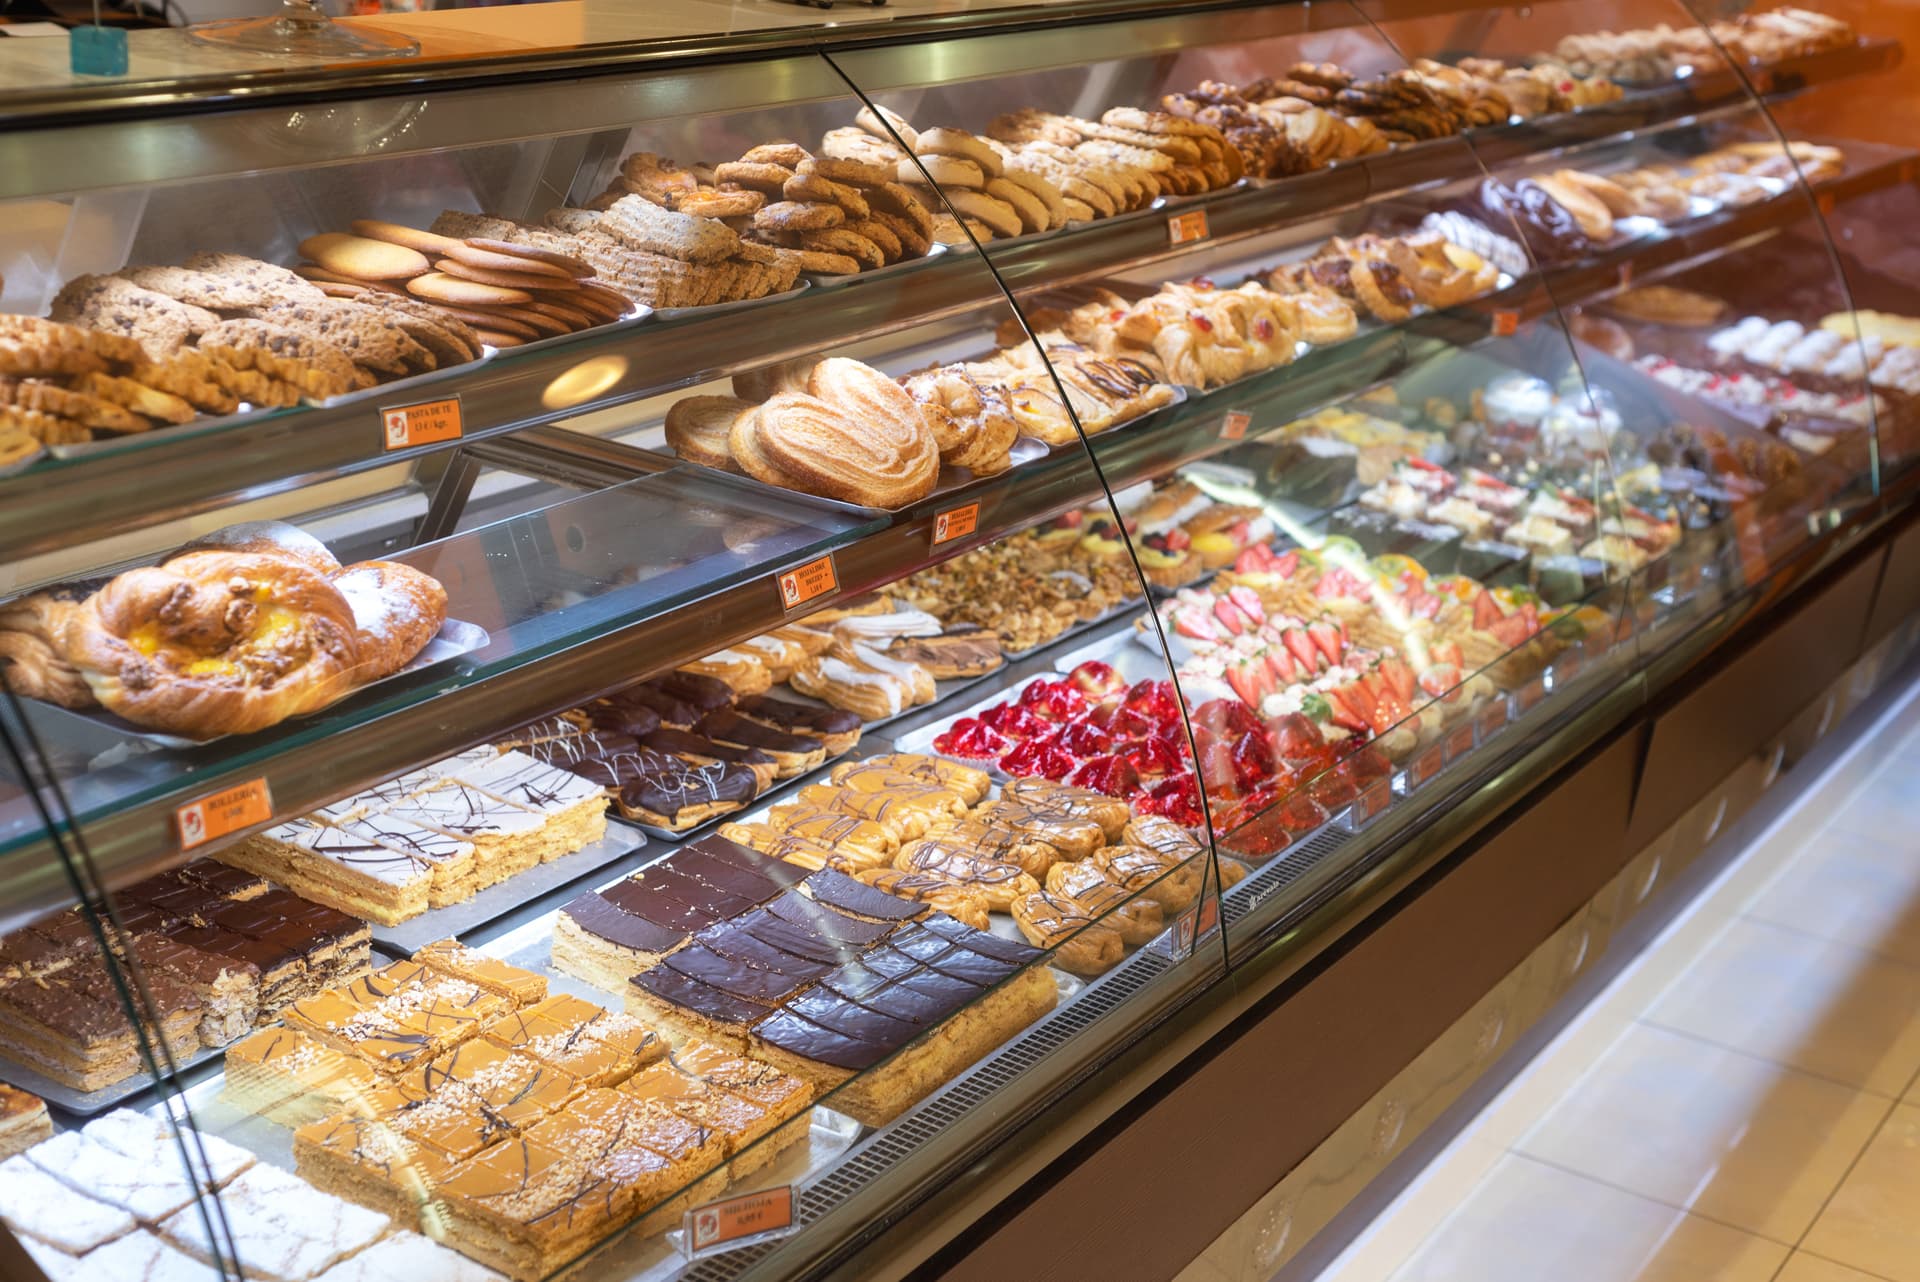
(135, 481)
(633, 623)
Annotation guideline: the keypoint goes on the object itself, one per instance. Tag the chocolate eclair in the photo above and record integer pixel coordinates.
(837, 728)
(701, 751)
(568, 751)
(624, 716)
(681, 796)
(703, 692)
(557, 727)
(671, 711)
(794, 754)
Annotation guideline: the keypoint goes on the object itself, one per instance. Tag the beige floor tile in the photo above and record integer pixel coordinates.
(1390, 1240)
(1801, 1267)
(1710, 1130)
(1873, 1221)
(1804, 1002)
(1852, 889)
(1529, 1222)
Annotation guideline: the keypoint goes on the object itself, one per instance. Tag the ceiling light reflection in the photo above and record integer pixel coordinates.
(588, 379)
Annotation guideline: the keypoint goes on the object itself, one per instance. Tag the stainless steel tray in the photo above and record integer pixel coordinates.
(120, 442)
(623, 844)
(402, 386)
(640, 316)
(715, 309)
(933, 255)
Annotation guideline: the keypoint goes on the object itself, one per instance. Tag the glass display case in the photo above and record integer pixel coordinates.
(622, 666)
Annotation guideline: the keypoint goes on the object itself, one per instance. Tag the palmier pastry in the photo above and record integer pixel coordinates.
(1066, 928)
(215, 643)
(835, 829)
(33, 660)
(698, 428)
(1168, 882)
(804, 851)
(763, 384)
(968, 783)
(1068, 802)
(396, 611)
(961, 903)
(998, 883)
(1136, 917)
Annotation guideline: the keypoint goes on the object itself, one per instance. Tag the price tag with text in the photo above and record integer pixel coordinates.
(1492, 718)
(1425, 765)
(733, 1220)
(955, 523)
(1371, 803)
(808, 582)
(231, 810)
(427, 423)
(1234, 426)
(1185, 228)
(1506, 323)
(1529, 694)
(1195, 923)
(1459, 741)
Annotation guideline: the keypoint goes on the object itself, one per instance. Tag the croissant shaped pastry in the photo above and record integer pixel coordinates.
(215, 643)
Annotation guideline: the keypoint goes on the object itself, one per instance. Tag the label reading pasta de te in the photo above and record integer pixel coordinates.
(427, 423)
(229, 810)
(734, 1218)
(1185, 228)
(1234, 426)
(808, 582)
(955, 523)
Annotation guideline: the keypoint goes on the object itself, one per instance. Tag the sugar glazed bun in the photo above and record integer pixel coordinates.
(396, 611)
(215, 643)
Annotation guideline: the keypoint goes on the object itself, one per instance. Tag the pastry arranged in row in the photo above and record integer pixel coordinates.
(222, 952)
(835, 982)
(504, 293)
(232, 633)
(1026, 589)
(1660, 52)
(453, 1093)
(112, 1201)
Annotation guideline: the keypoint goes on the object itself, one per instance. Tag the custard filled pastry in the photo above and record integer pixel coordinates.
(904, 807)
(964, 905)
(835, 829)
(1005, 842)
(743, 672)
(215, 643)
(1073, 836)
(1065, 927)
(1136, 917)
(969, 783)
(804, 851)
(1064, 801)
(1169, 882)
(999, 884)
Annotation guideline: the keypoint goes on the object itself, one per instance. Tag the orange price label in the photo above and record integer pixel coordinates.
(1371, 802)
(955, 523)
(1825, 202)
(1459, 741)
(1234, 426)
(1492, 718)
(213, 817)
(806, 582)
(1426, 765)
(1195, 923)
(1185, 228)
(1506, 323)
(428, 423)
(733, 1218)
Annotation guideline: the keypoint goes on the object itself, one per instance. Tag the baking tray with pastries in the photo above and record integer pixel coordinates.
(840, 430)
(873, 989)
(678, 752)
(1569, 213)
(110, 1200)
(1032, 588)
(1072, 870)
(1659, 53)
(229, 634)
(223, 951)
(433, 846)
(874, 657)
(457, 1094)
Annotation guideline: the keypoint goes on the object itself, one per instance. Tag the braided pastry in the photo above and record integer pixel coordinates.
(215, 643)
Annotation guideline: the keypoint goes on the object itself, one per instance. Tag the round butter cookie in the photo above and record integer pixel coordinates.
(359, 258)
(1032, 211)
(791, 215)
(945, 171)
(1001, 217)
(959, 143)
(441, 287)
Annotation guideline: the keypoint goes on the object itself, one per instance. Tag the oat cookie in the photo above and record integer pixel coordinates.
(788, 215)
(366, 336)
(805, 188)
(786, 154)
(712, 203)
(754, 175)
(838, 240)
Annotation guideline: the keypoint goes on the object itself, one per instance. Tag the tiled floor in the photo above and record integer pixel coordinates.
(1742, 1105)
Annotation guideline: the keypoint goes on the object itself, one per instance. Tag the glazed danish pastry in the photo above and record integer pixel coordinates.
(1067, 928)
(215, 643)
